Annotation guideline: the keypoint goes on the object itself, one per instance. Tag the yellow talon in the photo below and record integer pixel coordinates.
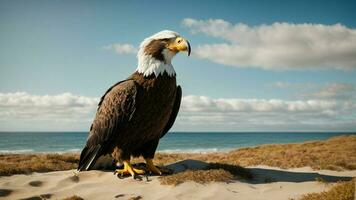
(128, 169)
(152, 168)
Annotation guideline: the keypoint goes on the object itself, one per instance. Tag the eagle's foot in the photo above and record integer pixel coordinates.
(152, 168)
(129, 170)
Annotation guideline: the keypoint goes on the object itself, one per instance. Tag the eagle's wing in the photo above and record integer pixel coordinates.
(175, 110)
(115, 108)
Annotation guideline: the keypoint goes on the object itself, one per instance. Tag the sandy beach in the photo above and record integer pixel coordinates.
(268, 183)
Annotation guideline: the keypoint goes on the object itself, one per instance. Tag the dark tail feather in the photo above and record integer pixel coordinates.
(88, 157)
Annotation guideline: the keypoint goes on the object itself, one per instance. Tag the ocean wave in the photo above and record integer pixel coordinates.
(72, 150)
(75, 150)
(16, 151)
(198, 150)
(24, 151)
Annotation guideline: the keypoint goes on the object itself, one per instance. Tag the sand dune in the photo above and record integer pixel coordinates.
(268, 183)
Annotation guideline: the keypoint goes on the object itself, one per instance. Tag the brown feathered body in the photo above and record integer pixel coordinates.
(131, 118)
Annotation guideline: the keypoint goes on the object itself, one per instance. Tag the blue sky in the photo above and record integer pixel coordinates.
(58, 47)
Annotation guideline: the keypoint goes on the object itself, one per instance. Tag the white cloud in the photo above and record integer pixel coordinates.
(328, 91)
(342, 91)
(285, 85)
(23, 111)
(206, 104)
(278, 46)
(47, 112)
(122, 48)
(281, 84)
(61, 100)
(266, 114)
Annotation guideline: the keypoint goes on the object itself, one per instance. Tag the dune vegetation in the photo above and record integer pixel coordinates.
(337, 153)
(26, 163)
(74, 197)
(339, 191)
(214, 172)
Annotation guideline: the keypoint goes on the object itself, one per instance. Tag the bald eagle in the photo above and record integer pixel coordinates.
(135, 113)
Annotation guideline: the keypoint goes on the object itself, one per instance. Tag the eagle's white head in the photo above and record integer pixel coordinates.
(156, 53)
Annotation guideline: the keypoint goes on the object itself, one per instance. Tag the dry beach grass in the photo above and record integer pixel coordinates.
(74, 197)
(214, 172)
(338, 153)
(26, 163)
(340, 191)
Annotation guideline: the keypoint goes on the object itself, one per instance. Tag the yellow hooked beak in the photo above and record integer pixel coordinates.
(180, 44)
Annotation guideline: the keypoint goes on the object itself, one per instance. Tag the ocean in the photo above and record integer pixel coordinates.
(33, 142)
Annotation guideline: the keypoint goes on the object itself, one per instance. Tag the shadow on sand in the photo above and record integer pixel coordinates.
(258, 175)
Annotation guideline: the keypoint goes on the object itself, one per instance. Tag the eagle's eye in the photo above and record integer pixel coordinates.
(179, 41)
